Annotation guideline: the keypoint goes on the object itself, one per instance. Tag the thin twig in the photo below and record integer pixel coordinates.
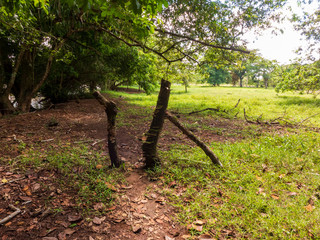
(12, 215)
(308, 118)
(98, 141)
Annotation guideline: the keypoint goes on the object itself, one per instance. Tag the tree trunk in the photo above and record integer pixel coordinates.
(149, 147)
(241, 82)
(111, 111)
(6, 106)
(189, 134)
(24, 84)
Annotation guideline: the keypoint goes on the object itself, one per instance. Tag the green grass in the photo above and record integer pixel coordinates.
(256, 101)
(269, 187)
(263, 191)
(79, 168)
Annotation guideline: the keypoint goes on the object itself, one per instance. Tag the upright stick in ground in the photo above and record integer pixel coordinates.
(149, 147)
(189, 134)
(111, 111)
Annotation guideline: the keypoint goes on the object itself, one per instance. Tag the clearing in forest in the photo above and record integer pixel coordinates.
(54, 168)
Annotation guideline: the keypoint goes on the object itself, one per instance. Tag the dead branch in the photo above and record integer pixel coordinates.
(216, 109)
(308, 118)
(190, 135)
(14, 180)
(200, 42)
(245, 116)
(207, 109)
(111, 112)
(12, 215)
(98, 141)
(236, 105)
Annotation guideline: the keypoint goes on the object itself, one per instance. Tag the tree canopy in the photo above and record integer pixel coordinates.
(37, 35)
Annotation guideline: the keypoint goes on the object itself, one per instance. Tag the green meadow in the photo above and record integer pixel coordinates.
(258, 102)
(269, 187)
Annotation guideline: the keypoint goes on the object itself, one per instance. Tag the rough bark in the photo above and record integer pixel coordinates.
(111, 111)
(24, 84)
(149, 147)
(190, 135)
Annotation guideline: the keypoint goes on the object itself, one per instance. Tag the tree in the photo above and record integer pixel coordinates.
(216, 76)
(36, 33)
(297, 77)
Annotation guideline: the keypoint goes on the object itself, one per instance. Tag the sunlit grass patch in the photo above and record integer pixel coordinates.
(269, 188)
(257, 101)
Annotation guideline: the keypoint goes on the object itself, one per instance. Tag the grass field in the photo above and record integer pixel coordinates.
(256, 101)
(269, 187)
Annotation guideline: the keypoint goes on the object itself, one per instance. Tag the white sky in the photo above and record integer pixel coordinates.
(281, 47)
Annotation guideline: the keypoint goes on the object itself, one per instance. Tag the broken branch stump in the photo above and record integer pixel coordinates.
(111, 111)
(149, 147)
(197, 141)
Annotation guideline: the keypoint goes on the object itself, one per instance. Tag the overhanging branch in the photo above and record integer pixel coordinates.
(200, 42)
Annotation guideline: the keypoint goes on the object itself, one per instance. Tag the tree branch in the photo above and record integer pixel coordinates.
(201, 42)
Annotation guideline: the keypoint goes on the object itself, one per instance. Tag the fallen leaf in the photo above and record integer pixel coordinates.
(260, 191)
(111, 208)
(69, 231)
(274, 196)
(186, 236)
(205, 237)
(160, 200)
(292, 194)
(309, 208)
(74, 218)
(4, 180)
(28, 192)
(110, 186)
(24, 198)
(199, 222)
(97, 220)
(36, 187)
(99, 166)
(63, 235)
(99, 206)
(259, 178)
(168, 238)
(126, 187)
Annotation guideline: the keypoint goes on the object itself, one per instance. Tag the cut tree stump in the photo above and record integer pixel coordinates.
(111, 111)
(149, 147)
(190, 135)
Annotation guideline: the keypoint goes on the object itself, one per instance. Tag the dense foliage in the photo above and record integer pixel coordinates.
(41, 38)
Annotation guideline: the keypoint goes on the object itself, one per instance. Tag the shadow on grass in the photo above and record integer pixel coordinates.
(297, 100)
